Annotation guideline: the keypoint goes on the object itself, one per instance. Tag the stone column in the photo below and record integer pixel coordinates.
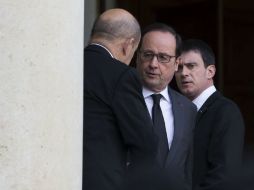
(41, 94)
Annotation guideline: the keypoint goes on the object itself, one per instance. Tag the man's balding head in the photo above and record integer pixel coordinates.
(119, 32)
(116, 23)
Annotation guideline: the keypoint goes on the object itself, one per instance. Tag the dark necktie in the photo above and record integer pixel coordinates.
(159, 128)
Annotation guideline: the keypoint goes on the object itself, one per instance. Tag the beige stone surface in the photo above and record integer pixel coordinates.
(41, 68)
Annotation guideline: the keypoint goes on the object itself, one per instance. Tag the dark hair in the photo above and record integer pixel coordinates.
(201, 47)
(163, 28)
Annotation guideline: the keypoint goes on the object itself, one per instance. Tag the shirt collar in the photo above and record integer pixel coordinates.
(147, 93)
(104, 48)
(200, 100)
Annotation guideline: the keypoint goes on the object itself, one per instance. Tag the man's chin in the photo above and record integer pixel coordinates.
(152, 82)
(186, 92)
(152, 85)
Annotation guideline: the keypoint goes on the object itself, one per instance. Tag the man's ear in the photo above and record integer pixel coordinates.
(210, 71)
(128, 45)
(177, 61)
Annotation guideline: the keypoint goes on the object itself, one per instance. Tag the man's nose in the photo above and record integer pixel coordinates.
(185, 71)
(154, 61)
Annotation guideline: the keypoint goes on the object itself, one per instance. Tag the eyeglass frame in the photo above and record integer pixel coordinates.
(157, 55)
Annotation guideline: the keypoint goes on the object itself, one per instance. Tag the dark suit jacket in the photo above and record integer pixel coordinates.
(218, 142)
(115, 119)
(179, 162)
(176, 174)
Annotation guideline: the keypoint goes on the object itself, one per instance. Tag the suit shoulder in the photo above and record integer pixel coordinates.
(226, 109)
(97, 64)
(226, 114)
(102, 73)
(226, 104)
(184, 100)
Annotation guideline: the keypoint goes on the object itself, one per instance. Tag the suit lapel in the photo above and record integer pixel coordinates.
(206, 105)
(178, 113)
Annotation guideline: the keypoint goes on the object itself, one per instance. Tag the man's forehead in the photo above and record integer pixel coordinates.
(190, 57)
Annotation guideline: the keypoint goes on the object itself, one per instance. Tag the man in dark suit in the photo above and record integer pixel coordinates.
(156, 63)
(116, 121)
(219, 131)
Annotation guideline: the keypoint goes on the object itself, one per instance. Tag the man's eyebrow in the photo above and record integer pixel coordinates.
(190, 63)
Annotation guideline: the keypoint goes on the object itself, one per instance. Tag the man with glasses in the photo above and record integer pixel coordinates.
(173, 115)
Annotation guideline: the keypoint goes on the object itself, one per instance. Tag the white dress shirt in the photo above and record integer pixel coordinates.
(166, 108)
(200, 100)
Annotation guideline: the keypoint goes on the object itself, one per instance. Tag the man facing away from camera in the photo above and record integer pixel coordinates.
(116, 121)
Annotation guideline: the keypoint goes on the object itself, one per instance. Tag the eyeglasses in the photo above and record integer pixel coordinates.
(161, 57)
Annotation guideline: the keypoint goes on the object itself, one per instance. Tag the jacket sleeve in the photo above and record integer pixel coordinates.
(133, 117)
